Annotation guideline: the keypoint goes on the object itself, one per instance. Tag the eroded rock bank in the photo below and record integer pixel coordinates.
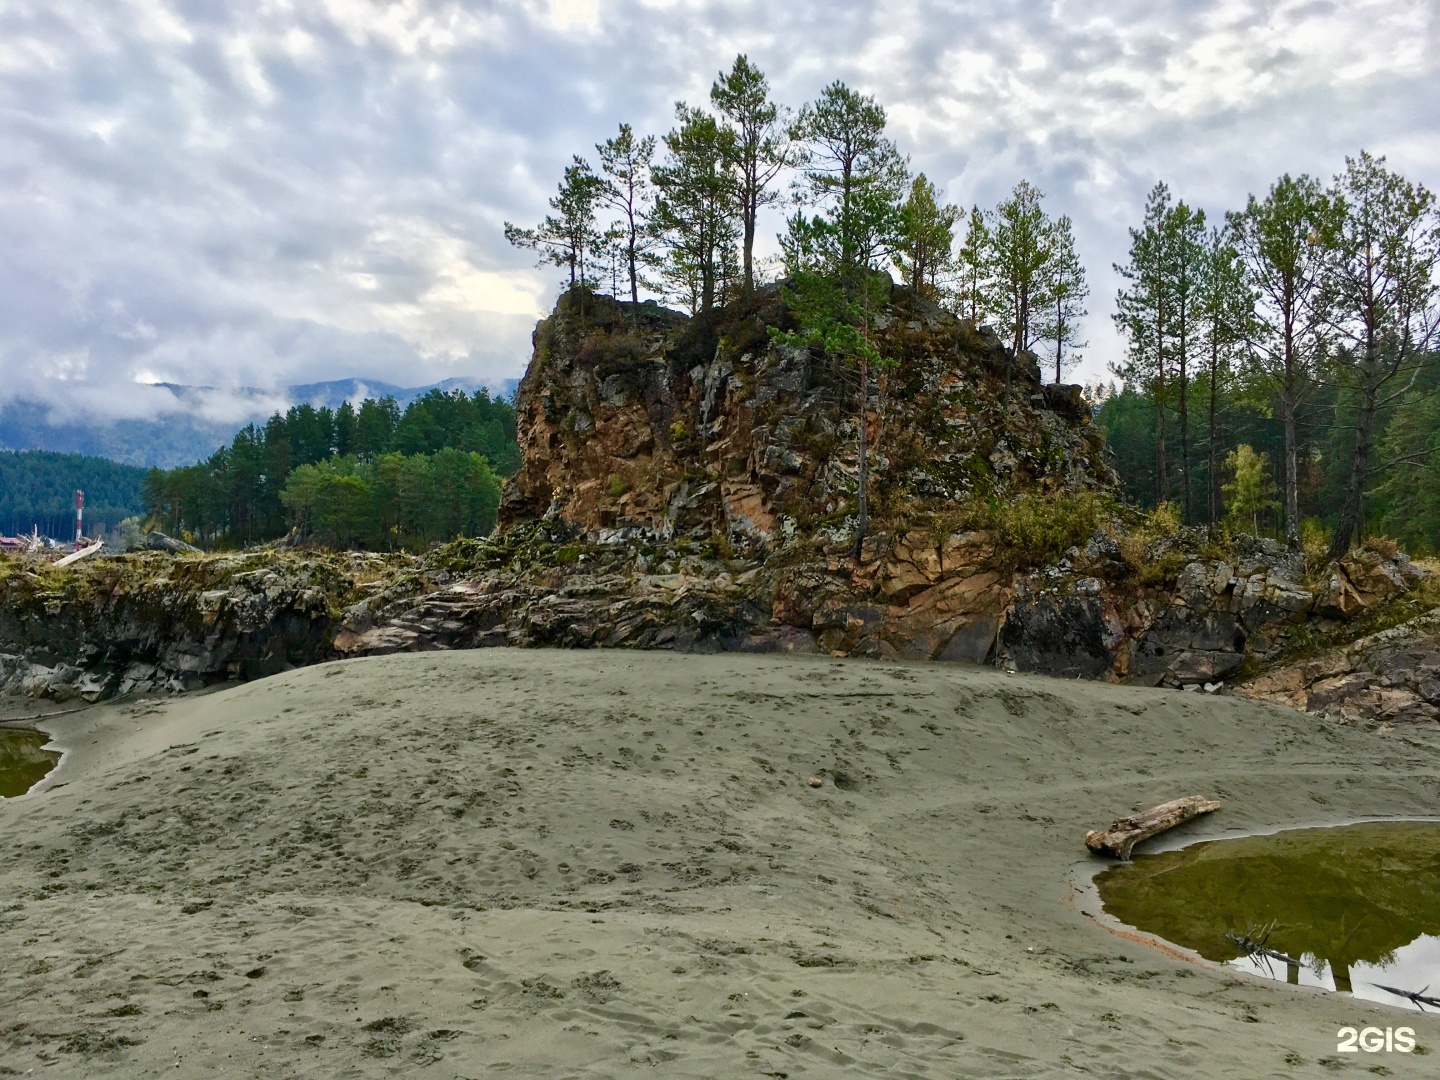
(172, 623)
(690, 484)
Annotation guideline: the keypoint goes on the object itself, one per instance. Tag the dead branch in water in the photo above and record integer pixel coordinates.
(1417, 997)
(1252, 944)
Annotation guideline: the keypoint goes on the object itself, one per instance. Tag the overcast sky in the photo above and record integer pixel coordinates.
(231, 193)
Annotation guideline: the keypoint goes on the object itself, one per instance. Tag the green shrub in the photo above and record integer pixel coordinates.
(1151, 564)
(1037, 529)
(1315, 540)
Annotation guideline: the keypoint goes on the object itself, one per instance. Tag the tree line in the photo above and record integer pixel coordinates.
(1300, 327)
(677, 215)
(1303, 323)
(372, 476)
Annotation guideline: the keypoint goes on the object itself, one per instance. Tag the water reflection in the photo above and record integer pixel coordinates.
(1352, 909)
(23, 761)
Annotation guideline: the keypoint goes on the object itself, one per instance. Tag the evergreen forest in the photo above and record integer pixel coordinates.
(37, 491)
(1280, 368)
(372, 476)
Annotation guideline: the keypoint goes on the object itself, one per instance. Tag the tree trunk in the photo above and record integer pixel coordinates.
(750, 213)
(1352, 509)
(862, 511)
(1059, 337)
(1292, 471)
(1184, 417)
(1126, 832)
(1162, 485)
(1289, 403)
(634, 273)
(1212, 495)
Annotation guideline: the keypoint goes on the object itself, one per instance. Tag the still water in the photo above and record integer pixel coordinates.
(1354, 908)
(23, 763)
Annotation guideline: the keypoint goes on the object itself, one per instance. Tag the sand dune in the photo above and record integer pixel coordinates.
(596, 864)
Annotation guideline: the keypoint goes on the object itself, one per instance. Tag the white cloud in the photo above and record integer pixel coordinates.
(276, 191)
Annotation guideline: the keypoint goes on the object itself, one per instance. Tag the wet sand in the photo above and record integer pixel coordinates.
(596, 864)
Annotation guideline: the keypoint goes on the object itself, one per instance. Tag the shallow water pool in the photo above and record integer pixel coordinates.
(23, 761)
(1354, 908)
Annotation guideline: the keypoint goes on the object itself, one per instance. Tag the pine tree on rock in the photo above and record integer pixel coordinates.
(1022, 253)
(858, 179)
(1067, 291)
(856, 176)
(695, 212)
(567, 237)
(973, 292)
(625, 163)
(761, 147)
(927, 235)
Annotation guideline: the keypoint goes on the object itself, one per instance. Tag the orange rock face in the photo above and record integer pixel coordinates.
(638, 418)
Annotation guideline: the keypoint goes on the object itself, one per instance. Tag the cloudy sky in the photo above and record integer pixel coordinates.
(262, 192)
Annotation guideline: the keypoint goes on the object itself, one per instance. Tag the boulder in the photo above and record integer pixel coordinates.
(1067, 636)
(1184, 646)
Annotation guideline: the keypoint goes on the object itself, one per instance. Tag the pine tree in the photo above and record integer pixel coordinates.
(1022, 250)
(1067, 292)
(1224, 309)
(695, 214)
(1142, 314)
(856, 176)
(1382, 240)
(927, 235)
(1183, 247)
(761, 147)
(625, 163)
(566, 240)
(973, 294)
(1279, 238)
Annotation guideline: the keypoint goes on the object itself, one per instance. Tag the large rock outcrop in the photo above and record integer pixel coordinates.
(690, 484)
(1390, 676)
(632, 417)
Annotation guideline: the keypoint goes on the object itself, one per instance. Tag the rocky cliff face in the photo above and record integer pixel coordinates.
(690, 485)
(638, 419)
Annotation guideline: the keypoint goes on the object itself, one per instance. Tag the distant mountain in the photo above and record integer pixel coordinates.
(182, 435)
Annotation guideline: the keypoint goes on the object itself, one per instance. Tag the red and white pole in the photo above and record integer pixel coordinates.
(79, 519)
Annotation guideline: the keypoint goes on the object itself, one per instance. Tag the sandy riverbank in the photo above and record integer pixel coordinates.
(590, 864)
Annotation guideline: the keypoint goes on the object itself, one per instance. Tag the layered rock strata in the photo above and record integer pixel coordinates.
(690, 485)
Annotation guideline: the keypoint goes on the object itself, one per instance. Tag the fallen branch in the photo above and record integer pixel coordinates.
(83, 553)
(1253, 944)
(1126, 832)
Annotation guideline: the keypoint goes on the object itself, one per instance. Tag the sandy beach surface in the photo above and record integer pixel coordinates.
(597, 864)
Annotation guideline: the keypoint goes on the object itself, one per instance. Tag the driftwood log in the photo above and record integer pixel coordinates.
(83, 553)
(1129, 831)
